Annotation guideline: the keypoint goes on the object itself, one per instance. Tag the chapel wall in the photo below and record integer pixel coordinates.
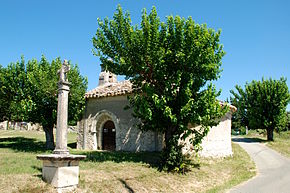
(217, 143)
(128, 137)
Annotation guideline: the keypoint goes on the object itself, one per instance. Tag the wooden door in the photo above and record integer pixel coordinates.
(109, 136)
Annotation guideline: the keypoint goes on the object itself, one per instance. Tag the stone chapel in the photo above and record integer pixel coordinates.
(107, 126)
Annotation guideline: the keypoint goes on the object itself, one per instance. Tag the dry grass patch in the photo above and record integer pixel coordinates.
(281, 143)
(23, 183)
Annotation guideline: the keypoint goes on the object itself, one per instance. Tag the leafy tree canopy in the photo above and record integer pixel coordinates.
(262, 104)
(29, 93)
(171, 65)
(288, 121)
(12, 88)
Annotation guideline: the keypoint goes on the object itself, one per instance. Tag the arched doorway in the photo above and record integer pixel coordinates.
(109, 136)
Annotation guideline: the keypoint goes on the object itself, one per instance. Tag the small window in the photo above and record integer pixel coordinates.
(105, 130)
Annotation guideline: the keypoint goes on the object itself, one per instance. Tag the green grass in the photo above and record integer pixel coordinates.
(241, 165)
(36, 135)
(281, 141)
(103, 171)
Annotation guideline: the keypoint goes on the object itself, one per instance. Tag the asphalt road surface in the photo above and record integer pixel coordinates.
(273, 175)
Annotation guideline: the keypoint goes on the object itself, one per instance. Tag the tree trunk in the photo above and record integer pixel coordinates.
(7, 126)
(270, 134)
(49, 138)
(172, 158)
(168, 136)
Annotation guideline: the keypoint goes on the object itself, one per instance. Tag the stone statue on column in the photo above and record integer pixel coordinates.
(63, 71)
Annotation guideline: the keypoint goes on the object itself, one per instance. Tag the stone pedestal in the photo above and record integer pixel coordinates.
(61, 171)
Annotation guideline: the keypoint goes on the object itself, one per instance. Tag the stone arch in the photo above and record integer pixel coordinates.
(101, 118)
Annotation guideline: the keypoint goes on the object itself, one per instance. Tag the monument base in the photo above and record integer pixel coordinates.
(61, 171)
(61, 151)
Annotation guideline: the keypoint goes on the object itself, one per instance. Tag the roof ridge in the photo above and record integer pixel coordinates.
(110, 89)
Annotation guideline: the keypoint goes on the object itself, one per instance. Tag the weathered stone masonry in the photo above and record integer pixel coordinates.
(128, 137)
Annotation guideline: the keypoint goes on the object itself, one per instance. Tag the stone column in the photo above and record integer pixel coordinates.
(62, 114)
(62, 110)
(61, 169)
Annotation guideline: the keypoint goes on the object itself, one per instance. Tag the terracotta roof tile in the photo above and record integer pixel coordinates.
(110, 89)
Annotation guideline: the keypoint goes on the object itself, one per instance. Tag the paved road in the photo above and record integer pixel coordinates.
(273, 174)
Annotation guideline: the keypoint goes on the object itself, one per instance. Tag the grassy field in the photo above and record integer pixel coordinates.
(281, 141)
(115, 171)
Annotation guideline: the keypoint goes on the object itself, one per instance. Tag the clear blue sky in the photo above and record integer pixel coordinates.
(255, 34)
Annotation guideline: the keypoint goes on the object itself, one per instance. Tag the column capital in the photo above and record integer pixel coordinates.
(64, 85)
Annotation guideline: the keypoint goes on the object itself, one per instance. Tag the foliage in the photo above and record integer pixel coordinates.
(240, 117)
(288, 121)
(239, 130)
(170, 65)
(243, 130)
(29, 93)
(2, 100)
(262, 104)
(12, 88)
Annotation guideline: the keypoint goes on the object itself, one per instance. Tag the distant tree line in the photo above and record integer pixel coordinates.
(262, 105)
(28, 92)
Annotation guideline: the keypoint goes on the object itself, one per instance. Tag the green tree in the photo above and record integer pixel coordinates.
(31, 93)
(170, 65)
(12, 92)
(239, 118)
(263, 104)
(288, 121)
(2, 101)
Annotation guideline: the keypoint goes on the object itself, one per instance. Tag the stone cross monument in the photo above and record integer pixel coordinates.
(62, 110)
(61, 169)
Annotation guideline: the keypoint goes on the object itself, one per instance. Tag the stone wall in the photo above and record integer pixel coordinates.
(20, 126)
(217, 143)
(128, 137)
(3, 125)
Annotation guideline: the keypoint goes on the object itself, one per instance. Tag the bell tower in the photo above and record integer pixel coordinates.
(107, 77)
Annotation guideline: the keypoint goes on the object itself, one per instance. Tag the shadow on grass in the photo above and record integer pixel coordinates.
(39, 169)
(23, 144)
(151, 158)
(72, 145)
(248, 140)
(126, 185)
(195, 165)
